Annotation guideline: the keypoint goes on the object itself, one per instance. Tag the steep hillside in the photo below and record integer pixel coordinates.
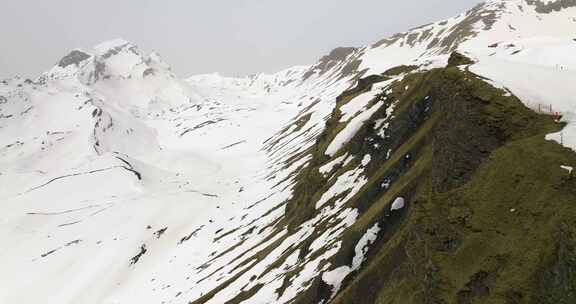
(458, 187)
(434, 166)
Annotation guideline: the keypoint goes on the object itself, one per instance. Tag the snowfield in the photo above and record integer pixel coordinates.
(122, 183)
(541, 71)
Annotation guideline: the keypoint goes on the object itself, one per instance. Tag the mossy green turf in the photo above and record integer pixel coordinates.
(490, 215)
(501, 231)
(503, 235)
(509, 221)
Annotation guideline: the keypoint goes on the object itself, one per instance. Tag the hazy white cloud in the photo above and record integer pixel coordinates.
(230, 36)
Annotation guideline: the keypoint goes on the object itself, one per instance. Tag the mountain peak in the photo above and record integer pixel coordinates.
(75, 57)
(106, 46)
(113, 59)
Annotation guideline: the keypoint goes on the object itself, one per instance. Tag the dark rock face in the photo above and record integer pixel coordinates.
(137, 257)
(481, 17)
(116, 50)
(466, 29)
(148, 72)
(549, 7)
(99, 70)
(457, 59)
(557, 280)
(336, 56)
(463, 140)
(75, 57)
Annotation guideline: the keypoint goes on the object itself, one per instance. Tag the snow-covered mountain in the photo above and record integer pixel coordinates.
(414, 170)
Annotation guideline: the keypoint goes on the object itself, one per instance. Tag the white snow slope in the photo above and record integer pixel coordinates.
(120, 183)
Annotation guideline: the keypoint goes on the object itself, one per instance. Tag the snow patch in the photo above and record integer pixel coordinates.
(397, 204)
(351, 129)
(366, 160)
(336, 276)
(568, 168)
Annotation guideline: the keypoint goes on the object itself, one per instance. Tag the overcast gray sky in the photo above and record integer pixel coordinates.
(234, 37)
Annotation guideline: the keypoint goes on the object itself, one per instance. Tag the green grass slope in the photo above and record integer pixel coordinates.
(490, 216)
